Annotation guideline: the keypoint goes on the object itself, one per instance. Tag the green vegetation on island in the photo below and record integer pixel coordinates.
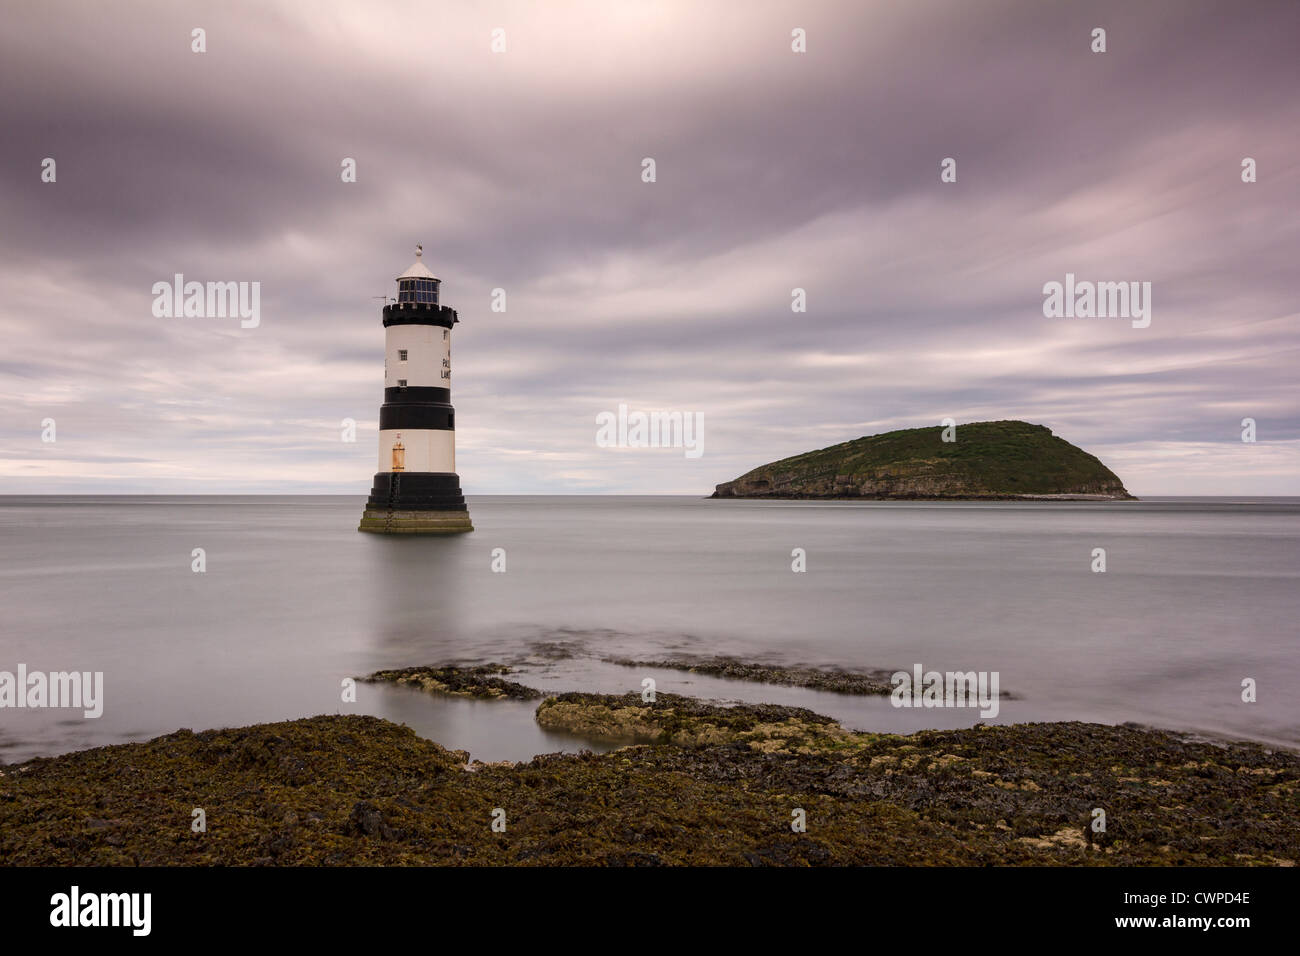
(1006, 459)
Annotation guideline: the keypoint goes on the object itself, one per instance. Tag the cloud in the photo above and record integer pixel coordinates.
(521, 171)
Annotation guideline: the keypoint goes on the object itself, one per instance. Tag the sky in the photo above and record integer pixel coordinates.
(523, 171)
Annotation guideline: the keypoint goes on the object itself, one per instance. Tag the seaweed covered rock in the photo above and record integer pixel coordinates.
(481, 681)
(348, 790)
(685, 721)
(832, 680)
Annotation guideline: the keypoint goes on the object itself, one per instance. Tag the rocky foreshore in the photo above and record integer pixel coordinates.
(828, 679)
(709, 785)
(482, 681)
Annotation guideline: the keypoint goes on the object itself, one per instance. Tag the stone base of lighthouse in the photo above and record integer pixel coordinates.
(415, 502)
(415, 522)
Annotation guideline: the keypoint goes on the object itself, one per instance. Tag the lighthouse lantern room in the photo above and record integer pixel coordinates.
(417, 490)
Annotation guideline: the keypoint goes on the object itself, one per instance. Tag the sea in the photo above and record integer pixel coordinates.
(206, 612)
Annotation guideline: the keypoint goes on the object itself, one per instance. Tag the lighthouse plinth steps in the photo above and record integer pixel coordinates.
(415, 522)
(416, 503)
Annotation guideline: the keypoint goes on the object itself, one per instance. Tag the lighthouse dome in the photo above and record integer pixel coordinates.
(417, 283)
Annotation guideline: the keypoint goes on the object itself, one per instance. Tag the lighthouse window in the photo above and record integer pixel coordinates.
(401, 355)
(401, 383)
(418, 291)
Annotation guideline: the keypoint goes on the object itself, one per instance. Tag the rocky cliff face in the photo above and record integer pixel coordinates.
(1007, 459)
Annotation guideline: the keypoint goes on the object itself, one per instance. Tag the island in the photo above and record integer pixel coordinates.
(993, 460)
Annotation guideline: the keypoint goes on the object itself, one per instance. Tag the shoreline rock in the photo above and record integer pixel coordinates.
(481, 681)
(687, 722)
(353, 790)
(828, 679)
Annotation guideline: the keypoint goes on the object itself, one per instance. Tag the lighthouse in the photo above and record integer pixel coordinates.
(417, 490)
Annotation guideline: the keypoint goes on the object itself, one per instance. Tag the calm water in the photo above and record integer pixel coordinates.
(1198, 594)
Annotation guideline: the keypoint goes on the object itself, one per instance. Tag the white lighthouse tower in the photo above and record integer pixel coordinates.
(417, 490)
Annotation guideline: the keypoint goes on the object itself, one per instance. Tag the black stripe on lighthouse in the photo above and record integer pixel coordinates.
(420, 491)
(419, 313)
(409, 417)
(417, 395)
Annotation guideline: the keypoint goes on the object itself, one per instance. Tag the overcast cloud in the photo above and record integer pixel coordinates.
(522, 171)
